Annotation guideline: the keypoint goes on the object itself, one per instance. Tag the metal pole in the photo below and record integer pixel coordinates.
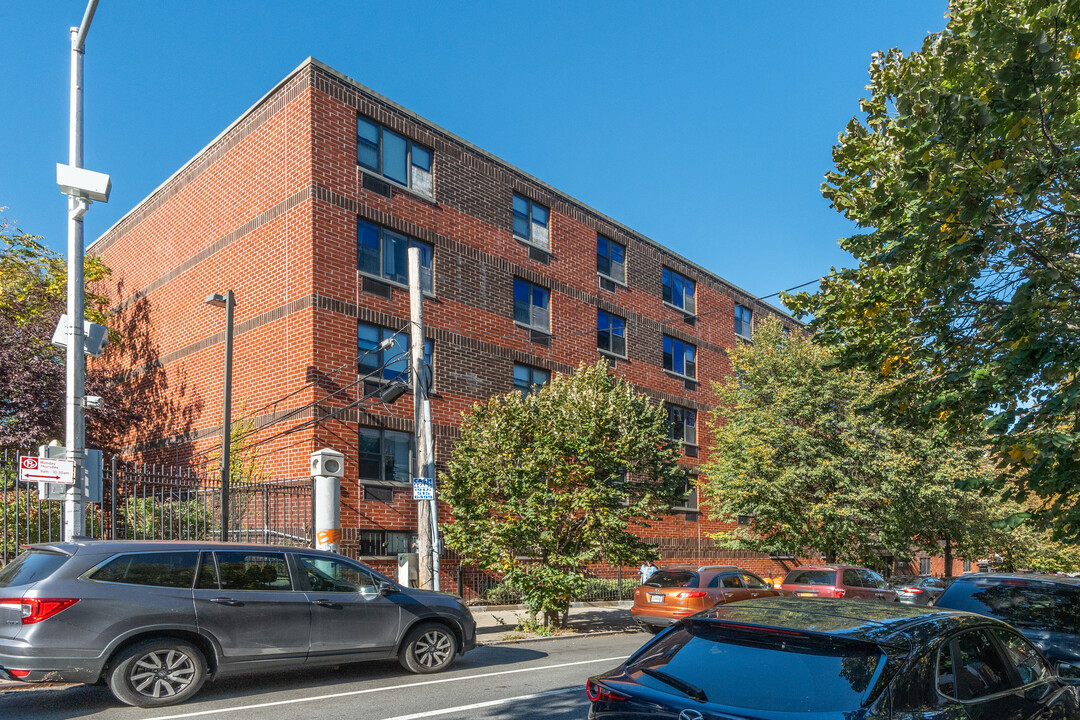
(226, 416)
(74, 419)
(427, 511)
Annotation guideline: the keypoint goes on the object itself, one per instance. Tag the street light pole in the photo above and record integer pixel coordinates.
(427, 510)
(228, 302)
(75, 375)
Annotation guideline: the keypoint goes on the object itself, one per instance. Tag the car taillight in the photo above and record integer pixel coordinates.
(691, 594)
(34, 610)
(637, 592)
(18, 673)
(839, 592)
(597, 692)
(913, 590)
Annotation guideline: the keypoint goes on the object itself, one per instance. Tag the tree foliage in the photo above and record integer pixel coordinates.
(963, 173)
(543, 485)
(800, 448)
(33, 295)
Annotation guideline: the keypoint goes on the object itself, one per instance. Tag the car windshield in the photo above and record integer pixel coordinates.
(762, 670)
(29, 567)
(811, 577)
(1023, 603)
(673, 578)
(903, 580)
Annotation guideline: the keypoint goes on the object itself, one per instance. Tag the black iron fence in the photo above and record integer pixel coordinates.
(144, 501)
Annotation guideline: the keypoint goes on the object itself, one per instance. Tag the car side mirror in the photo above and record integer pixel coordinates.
(1068, 673)
(386, 588)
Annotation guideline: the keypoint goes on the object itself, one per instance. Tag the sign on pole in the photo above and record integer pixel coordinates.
(38, 469)
(423, 489)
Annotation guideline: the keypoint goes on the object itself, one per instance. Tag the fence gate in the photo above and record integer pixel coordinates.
(143, 501)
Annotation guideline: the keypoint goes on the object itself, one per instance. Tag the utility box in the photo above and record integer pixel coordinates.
(408, 569)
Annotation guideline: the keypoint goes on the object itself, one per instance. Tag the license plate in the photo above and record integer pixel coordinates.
(656, 598)
(806, 594)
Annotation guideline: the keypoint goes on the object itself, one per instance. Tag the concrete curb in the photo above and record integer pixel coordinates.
(568, 636)
(581, 604)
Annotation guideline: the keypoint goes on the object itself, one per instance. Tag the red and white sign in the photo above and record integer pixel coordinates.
(37, 469)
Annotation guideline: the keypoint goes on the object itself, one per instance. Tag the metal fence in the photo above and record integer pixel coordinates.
(143, 501)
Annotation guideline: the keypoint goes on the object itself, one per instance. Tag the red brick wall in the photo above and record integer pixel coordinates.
(271, 209)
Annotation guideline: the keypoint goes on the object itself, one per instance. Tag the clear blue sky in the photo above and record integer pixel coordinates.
(707, 126)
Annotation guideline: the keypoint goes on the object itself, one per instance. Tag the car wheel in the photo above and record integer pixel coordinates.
(155, 673)
(428, 648)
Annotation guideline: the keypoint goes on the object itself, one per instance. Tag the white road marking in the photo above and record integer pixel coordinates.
(391, 687)
(489, 703)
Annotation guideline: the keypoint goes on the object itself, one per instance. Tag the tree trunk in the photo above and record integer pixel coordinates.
(948, 557)
(830, 557)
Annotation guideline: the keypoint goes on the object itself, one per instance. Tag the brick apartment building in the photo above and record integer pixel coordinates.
(304, 207)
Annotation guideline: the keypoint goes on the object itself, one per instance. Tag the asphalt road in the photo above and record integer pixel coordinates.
(540, 679)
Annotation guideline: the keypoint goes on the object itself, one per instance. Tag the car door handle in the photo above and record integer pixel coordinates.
(753, 594)
(224, 601)
(324, 603)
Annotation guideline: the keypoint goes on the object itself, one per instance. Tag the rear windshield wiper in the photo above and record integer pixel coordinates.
(692, 691)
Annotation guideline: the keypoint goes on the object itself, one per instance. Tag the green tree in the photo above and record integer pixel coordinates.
(540, 486)
(33, 295)
(962, 172)
(799, 447)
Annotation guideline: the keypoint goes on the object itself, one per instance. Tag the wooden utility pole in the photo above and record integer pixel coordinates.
(427, 511)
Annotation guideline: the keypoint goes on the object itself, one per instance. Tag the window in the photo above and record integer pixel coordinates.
(682, 424)
(246, 571)
(680, 357)
(979, 668)
(610, 333)
(531, 222)
(393, 156)
(924, 566)
(852, 579)
(331, 575)
(385, 255)
(385, 542)
(744, 327)
(871, 579)
(165, 569)
(384, 455)
(526, 378)
(679, 291)
(690, 497)
(1024, 656)
(610, 259)
(531, 305)
(754, 582)
(967, 566)
(390, 362)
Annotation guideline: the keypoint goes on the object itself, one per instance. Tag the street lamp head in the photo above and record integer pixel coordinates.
(390, 393)
(215, 299)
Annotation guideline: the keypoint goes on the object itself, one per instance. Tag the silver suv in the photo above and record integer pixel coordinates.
(154, 620)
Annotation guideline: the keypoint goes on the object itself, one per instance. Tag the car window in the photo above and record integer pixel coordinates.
(208, 575)
(932, 583)
(871, 579)
(331, 575)
(673, 578)
(811, 577)
(253, 571)
(980, 669)
(851, 578)
(731, 580)
(946, 676)
(1019, 602)
(754, 582)
(761, 671)
(1025, 658)
(164, 569)
(31, 566)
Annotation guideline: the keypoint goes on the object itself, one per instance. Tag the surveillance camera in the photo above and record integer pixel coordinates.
(93, 402)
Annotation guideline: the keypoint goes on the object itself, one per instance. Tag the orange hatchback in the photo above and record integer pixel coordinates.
(678, 591)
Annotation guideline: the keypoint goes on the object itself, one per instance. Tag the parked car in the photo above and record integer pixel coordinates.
(834, 660)
(154, 620)
(1045, 608)
(917, 589)
(678, 591)
(837, 581)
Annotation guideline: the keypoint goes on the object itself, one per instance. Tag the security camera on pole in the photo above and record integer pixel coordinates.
(327, 467)
(427, 520)
(82, 187)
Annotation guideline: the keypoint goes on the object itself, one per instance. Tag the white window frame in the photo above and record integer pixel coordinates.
(419, 179)
(387, 237)
(539, 317)
(667, 294)
(539, 232)
(689, 349)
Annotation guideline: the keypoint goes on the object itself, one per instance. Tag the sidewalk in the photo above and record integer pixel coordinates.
(495, 625)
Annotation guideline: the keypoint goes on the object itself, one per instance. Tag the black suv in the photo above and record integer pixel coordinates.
(1045, 608)
(154, 620)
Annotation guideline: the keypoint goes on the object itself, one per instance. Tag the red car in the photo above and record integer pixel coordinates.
(838, 581)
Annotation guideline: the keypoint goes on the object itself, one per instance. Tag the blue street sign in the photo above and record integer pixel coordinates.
(423, 489)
